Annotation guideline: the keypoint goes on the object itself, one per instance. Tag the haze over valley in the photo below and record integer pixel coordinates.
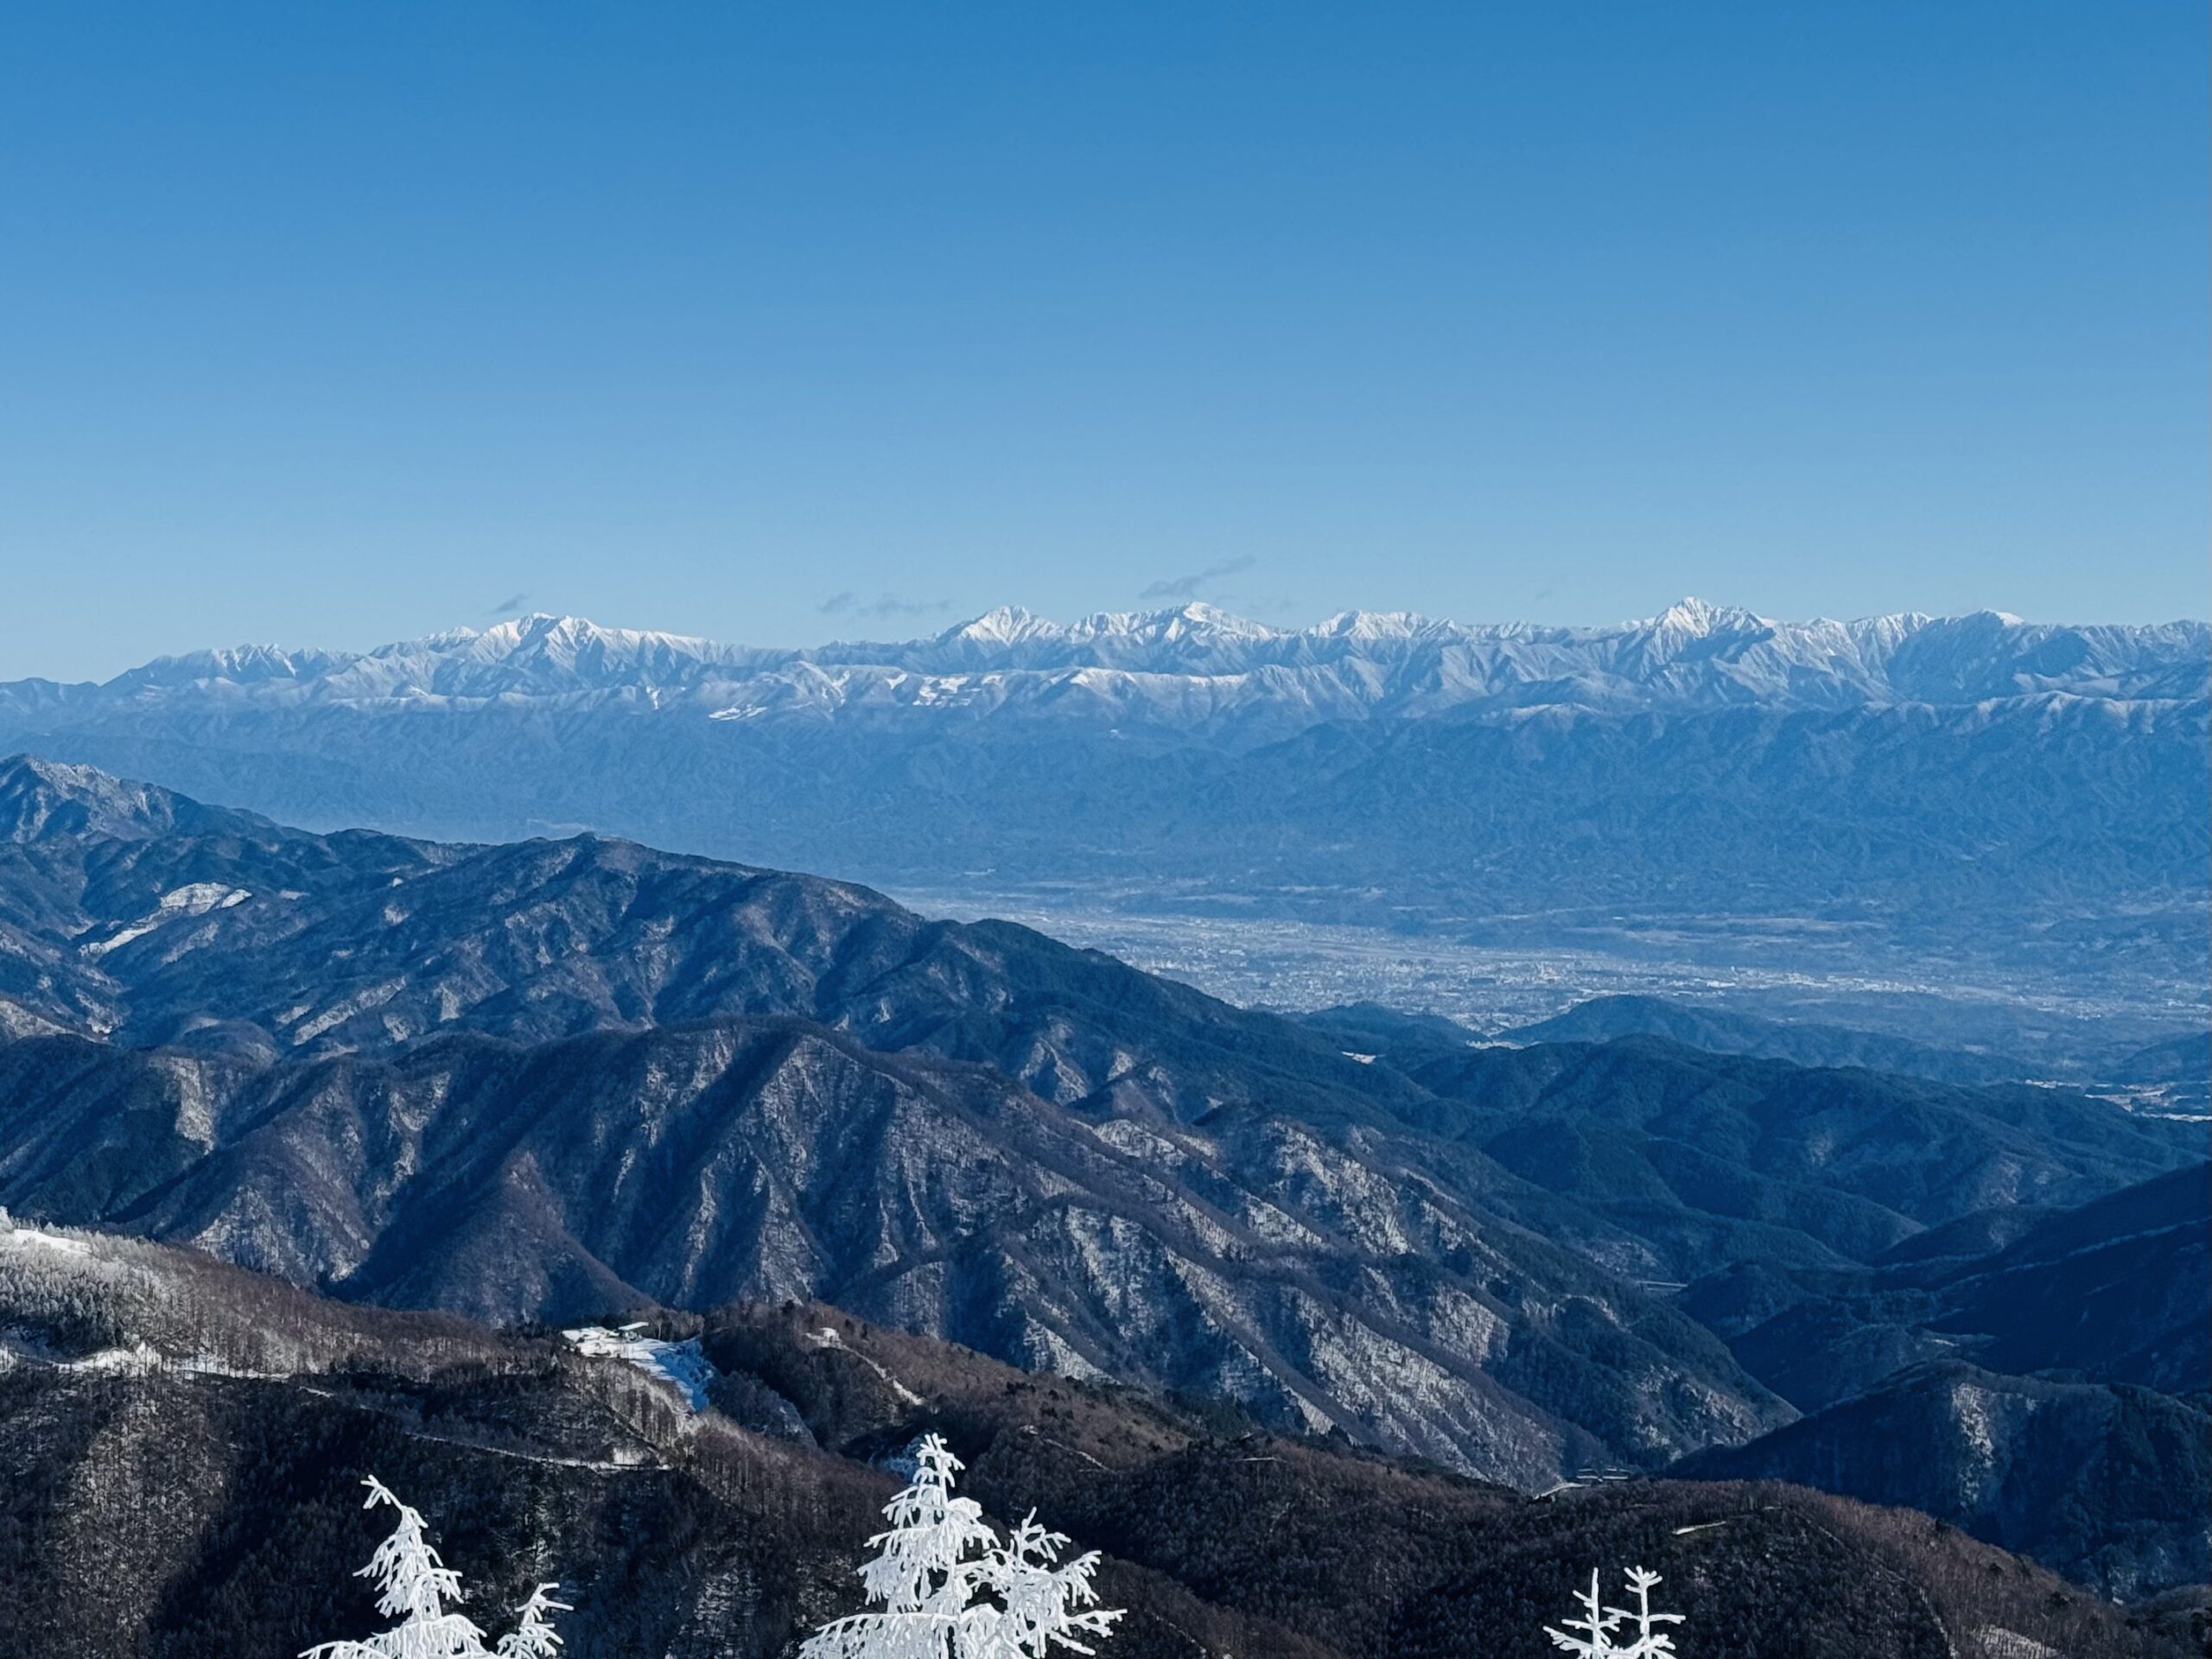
(1970, 832)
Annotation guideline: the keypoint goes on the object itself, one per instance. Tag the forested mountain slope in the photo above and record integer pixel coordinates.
(557, 1078)
(169, 1508)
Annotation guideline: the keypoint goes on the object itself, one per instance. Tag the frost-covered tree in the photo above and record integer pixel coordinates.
(950, 1589)
(533, 1636)
(414, 1588)
(1040, 1599)
(1599, 1623)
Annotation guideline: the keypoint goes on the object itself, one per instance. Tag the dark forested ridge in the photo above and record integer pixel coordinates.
(2049, 1394)
(770, 1158)
(178, 1509)
(2119, 1291)
(2111, 1484)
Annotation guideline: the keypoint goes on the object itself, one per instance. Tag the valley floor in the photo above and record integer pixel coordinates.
(1499, 973)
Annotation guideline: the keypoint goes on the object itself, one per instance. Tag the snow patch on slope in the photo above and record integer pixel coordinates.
(678, 1363)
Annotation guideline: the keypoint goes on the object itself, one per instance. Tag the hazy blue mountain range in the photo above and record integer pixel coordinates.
(1902, 797)
(2181, 1066)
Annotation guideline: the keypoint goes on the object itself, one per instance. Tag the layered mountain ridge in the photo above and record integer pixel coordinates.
(1905, 799)
(397, 1078)
(549, 1078)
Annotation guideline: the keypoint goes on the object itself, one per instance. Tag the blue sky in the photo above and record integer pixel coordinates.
(333, 324)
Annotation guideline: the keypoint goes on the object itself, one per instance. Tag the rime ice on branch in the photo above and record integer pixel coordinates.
(416, 1588)
(1599, 1623)
(948, 1589)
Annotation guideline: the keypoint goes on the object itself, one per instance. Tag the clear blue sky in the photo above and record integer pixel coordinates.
(337, 323)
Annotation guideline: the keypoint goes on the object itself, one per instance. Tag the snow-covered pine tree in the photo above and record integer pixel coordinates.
(935, 1561)
(416, 1588)
(1041, 1603)
(533, 1636)
(1599, 1623)
(1649, 1639)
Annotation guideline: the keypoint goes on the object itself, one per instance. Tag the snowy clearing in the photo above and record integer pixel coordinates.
(677, 1363)
(49, 1241)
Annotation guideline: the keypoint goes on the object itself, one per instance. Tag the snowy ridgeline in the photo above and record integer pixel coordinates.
(678, 1363)
(73, 1258)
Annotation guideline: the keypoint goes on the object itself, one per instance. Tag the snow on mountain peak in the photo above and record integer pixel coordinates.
(1377, 626)
(1698, 617)
(1005, 625)
(1198, 616)
(568, 638)
(1197, 663)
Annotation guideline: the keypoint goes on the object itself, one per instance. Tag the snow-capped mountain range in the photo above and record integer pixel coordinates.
(1976, 781)
(1198, 666)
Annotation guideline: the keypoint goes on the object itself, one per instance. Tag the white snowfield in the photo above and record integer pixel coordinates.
(1997, 1642)
(37, 1239)
(195, 899)
(198, 898)
(679, 1364)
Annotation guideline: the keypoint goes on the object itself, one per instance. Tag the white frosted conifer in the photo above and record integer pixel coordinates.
(1042, 1601)
(948, 1589)
(533, 1636)
(1593, 1636)
(423, 1593)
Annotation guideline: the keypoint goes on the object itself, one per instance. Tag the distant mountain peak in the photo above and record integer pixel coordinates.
(1375, 624)
(1212, 616)
(1004, 625)
(543, 628)
(1195, 617)
(40, 799)
(1700, 617)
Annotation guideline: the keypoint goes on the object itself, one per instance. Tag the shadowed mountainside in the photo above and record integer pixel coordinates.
(552, 1079)
(1249, 1257)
